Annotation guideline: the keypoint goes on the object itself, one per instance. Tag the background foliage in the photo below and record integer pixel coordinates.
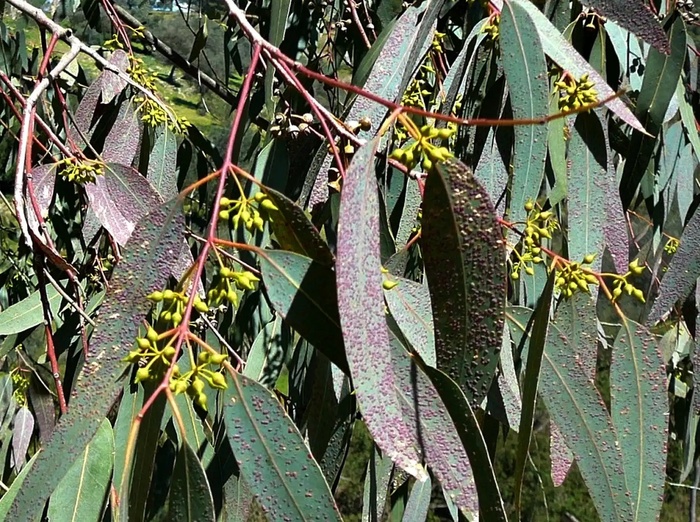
(301, 260)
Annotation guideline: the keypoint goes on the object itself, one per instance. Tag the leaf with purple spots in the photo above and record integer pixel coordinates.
(273, 458)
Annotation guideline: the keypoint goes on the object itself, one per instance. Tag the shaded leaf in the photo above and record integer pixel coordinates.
(81, 494)
(144, 268)
(639, 406)
(190, 497)
(294, 232)
(559, 454)
(377, 481)
(304, 293)
(361, 308)
(27, 313)
(283, 475)
(418, 502)
(43, 182)
(636, 17)
(562, 52)
(464, 259)
(9, 496)
(120, 198)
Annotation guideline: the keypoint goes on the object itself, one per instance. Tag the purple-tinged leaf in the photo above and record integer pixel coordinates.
(636, 17)
(560, 455)
(120, 198)
(639, 407)
(21, 435)
(162, 164)
(44, 410)
(102, 91)
(124, 138)
(145, 267)
(111, 84)
(361, 307)
(273, 458)
(43, 181)
(682, 272)
(464, 256)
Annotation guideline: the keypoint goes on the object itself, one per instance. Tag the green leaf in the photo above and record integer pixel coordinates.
(588, 195)
(464, 259)
(27, 313)
(194, 434)
(294, 231)
(81, 494)
(562, 52)
(162, 164)
(409, 305)
(273, 459)
(279, 13)
(304, 293)
(200, 40)
(578, 409)
(267, 354)
(128, 410)
(190, 497)
(144, 268)
(377, 481)
(639, 407)
(418, 502)
(530, 384)
(525, 69)
(9, 496)
(361, 307)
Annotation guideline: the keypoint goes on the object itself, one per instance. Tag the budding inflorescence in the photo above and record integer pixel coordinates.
(82, 171)
(622, 283)
(193, 381)
(223, 287)
(539, 224)
(671, 246)
(174, 305)
(152, 359)
(492, 27)
(253, 212)
(423, 147)
(574, 94)
(574, 277)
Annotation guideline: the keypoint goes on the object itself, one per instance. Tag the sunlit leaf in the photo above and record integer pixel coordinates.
(283, 476)
(27, 313)
(162, 164)
(361, 307)
(22, 429)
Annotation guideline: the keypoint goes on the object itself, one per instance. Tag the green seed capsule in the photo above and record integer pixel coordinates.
(151, 335)
(142, 374)
(218, 358)
(155, 296)
(203, 358)
(588, 259)
(202, 401)
(218, 381)
(197, 385)
(142, 343)
(169, 352)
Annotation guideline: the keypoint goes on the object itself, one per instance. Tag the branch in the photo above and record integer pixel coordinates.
(180, 61)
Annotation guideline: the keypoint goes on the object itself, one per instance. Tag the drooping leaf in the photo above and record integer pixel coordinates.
(162, 164)
(304, 293)
(144, 268)
(587, 188)
(279, 13)
(9, 496)
(526, 72)
(27, 313)
(21, 435)
(636, 17)
(682, 273)
(377, 480)
(418, 502)
(124, 137)
(464, 259)
(282, 474)
(43, 182)
(190, 497)
(578, 409)
(560, 455)
(361, 308)
(81, 494)
(563, 53)
(639, 406)
(541, 317)
(120, 198)
(409, 305)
